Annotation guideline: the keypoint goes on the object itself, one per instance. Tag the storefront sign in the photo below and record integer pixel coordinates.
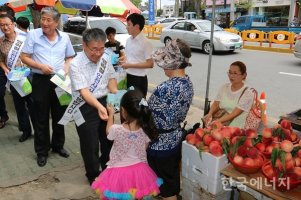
(264, 3)
(220, 10)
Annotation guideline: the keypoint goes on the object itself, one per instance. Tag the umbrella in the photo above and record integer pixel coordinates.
(117, 7)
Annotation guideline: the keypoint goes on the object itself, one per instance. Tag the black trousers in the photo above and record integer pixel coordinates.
(24, 110)
(91, 134)
(3, 80)
(138, 82)
(45, 101)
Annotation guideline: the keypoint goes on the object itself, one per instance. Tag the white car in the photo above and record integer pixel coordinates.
(78, 24)
(197, 34)
(167, 21)
(297, 47)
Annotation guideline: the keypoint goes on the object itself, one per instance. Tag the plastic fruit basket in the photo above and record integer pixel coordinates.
(282, 185)
(246, 169)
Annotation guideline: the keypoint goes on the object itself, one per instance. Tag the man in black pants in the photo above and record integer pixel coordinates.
(138, 52)
(84, 70)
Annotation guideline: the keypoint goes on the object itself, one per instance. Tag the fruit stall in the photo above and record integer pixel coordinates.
(265, 164)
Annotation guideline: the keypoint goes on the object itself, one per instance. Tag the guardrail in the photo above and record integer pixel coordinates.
(153, 31)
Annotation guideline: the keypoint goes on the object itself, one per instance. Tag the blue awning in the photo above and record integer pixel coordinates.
(84, 5)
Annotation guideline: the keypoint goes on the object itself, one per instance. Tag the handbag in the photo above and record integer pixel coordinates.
(254, 116)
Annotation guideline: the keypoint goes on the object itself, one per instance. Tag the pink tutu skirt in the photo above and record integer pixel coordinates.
(131, 182)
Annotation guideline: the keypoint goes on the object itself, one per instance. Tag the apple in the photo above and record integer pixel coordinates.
(216, 134)
(251, 133)
(252, 152)
(242, 151)
(298, 162)
(226, 132)
(268, 169)
(260, 147)
(288, 156)
(248, 142)
(269, 149)
(293, 136)
(297, 171)
(191, 139)
(238, 160)
(207, 139)
(286, 146)
(286, 124)
(258, 161)
(199, 132)
(216, 125)
(267, 132)
(215, 148)
(299, 153)
(249, 162)
(289, 165)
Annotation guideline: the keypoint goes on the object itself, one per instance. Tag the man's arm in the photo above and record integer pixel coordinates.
(149, 63)
(4, 67)
(67, 64)
(26, 58)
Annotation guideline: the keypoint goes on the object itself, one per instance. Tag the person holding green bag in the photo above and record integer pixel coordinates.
(8, 43)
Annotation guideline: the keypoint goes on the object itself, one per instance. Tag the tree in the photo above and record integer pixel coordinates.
(136, 3)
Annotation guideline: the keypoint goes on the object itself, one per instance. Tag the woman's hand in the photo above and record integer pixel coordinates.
(207, 119)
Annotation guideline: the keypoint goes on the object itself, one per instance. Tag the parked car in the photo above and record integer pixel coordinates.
(197, 34)
(78, 24)
(297, 47)
(167, 21)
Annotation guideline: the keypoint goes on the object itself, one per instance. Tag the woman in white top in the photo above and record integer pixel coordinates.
(234, 97)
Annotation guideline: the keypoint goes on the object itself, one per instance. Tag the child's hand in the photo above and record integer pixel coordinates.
(110, 109)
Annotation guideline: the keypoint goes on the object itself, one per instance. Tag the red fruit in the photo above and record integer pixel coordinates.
(260, 147)
(238, 160)
(286, 146)
(216, 134)
(242, 151)
(276, 139)
(234, 139)
(293, 136)
(298, 162)
(234, 130)
(288, 156)
(198, 143)
(268, 169)
(199, 132)
(267, 133)
(286, 124)
(252, 153)
(215, 148)
(278, 164)
(269, 149)
(216, 125)
(289, 165)
(287, 133)
(191, 139)
(207, 139)
(258, 161)
(248, 142)
(249, 162)
(226, 132)
(299, 153)
(251, 133)
(297, 171)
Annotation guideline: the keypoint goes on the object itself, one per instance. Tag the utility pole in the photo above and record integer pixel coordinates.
(176, 8)
(292, 11)
(232, 6)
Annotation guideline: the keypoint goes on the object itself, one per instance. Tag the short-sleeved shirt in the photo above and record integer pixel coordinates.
(116, 47)
(229, 100)
(169, 105)
(129, 147)
(5, 46)
(52, 53)
(138, 49)
(83, 71)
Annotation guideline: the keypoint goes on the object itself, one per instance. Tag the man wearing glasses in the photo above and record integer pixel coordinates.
(47, 50)
(92, 76)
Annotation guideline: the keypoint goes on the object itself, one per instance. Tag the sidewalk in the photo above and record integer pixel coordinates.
(62, 178)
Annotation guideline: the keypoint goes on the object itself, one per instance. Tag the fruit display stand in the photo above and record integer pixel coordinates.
(261, 189)
(202, 173)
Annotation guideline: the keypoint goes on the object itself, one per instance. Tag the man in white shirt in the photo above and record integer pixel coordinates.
(138, 52)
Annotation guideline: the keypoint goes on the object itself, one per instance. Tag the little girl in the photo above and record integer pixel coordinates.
(128, 175)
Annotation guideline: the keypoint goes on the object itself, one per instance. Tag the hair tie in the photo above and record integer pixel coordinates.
(143, 102)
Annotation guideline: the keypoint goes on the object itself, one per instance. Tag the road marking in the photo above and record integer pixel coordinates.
(290, 74)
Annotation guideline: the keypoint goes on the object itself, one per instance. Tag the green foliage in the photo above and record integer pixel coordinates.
(159, 12)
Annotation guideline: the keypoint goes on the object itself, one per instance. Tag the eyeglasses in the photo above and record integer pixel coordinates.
(5, 25)
(95, 51)
(233, 74)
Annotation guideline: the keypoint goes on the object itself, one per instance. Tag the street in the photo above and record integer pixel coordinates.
(277, 74)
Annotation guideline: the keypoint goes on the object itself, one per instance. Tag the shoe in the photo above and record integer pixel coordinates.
(62, 152)
(3, 121)
(42, 160)
(24, 137)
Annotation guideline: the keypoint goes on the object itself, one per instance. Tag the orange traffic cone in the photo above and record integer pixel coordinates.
(264, 108)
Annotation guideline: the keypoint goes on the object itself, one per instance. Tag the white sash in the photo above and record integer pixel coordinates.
(15, 50)
(73, 112)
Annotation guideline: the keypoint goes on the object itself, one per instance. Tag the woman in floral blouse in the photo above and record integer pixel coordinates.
(169, 104)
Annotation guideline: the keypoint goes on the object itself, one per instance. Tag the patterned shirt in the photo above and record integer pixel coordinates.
(129, 147)
(82, 74)
(5, 46)
(169, 104)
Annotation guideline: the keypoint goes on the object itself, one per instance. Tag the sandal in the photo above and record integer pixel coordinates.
(2, 124)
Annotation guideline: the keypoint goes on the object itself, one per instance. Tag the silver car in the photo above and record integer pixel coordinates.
(297, 47)
(197, 34)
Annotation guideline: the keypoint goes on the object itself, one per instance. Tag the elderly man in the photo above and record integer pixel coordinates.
(46, 51)
(92, 76)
